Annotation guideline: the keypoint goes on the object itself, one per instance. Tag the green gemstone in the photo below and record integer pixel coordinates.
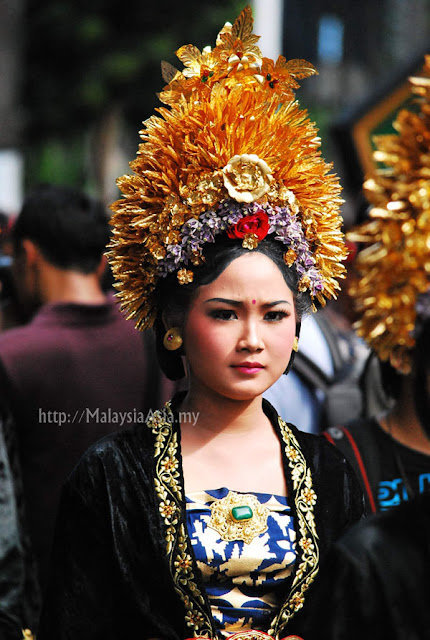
(241, 513)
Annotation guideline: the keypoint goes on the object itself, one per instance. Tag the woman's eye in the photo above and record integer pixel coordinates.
(275, 316)
(223, 314)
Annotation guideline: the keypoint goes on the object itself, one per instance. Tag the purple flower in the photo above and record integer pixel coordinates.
(423, 305)
(283, 224)
(308, 261)
(175, 250)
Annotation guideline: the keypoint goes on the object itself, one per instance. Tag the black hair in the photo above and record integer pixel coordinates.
(391, 379)
(70, 228)
(174, 299)
(421, 370)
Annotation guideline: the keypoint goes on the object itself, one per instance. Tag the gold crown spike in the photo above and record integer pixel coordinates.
(230, 143)
(394, 266)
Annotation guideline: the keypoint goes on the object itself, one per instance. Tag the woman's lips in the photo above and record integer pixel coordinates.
(248, 367)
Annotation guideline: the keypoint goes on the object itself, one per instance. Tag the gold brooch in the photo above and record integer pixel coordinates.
(238, 516)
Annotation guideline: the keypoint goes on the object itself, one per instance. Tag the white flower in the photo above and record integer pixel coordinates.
(247, 178)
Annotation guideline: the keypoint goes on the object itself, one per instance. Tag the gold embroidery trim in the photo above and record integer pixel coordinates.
(170, 498)
(169, 493)
(230, 529)
(307, 546)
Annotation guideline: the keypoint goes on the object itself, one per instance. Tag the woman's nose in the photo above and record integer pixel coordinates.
(251, 338)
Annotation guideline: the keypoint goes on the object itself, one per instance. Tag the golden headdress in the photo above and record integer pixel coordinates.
(393, 269)
(231, 151)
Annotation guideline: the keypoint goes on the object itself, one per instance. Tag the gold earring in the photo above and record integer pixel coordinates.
(172, 339)
(296, 344)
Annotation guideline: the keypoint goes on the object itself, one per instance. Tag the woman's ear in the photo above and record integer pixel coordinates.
(165, 320)
(171, 362)
(170, 320)
(293, 353)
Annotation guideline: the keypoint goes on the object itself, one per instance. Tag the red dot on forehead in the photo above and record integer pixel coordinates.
(254, 301)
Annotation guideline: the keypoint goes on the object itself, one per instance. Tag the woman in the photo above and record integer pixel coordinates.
(391, 296)
(210, 518)
(377, 572)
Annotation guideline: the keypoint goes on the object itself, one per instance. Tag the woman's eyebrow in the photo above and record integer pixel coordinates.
(273, 304)
(238, 303)
(234, 303)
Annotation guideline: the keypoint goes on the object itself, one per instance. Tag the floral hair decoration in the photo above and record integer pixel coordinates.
(392, 290)
(230, 151)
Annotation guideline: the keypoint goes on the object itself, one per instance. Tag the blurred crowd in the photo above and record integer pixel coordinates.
(72, 370)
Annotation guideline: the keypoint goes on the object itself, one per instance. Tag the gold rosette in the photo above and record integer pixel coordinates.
(247, 178)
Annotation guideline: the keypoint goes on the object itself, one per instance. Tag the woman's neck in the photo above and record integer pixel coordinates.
(232, 444)
(215, 415)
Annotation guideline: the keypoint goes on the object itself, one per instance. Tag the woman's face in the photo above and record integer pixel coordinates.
(240, 329)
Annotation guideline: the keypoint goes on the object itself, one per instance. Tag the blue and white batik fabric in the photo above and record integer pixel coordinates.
(245, 582)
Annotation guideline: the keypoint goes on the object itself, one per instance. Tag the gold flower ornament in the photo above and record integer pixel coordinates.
(247, 178)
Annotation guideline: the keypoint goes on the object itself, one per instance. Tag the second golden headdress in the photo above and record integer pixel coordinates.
(393, 287)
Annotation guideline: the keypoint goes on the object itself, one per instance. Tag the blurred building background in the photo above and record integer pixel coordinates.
(77, 77)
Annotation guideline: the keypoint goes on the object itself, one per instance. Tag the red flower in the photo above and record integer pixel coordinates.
(255, 224)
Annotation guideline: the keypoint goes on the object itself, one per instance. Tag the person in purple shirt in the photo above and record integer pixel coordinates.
(78, 369)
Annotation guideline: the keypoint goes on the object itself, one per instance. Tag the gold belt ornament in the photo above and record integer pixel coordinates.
(238, 516)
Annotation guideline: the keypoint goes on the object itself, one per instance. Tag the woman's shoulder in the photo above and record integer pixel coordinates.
(117, 442)
(318, 451)
(339, 499)
(323, 452)
(121, 453)
(328, 465)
